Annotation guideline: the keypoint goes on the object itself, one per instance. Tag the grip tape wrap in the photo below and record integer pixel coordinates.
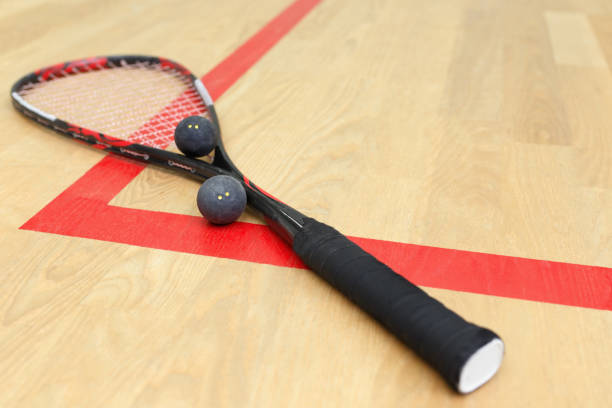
(437, 334)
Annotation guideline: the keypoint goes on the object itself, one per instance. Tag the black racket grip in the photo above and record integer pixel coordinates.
(440, 336)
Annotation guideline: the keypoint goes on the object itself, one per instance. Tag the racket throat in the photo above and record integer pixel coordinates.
(283, 220)
(282, 228)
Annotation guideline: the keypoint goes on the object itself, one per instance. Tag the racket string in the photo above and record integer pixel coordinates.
(140, 102)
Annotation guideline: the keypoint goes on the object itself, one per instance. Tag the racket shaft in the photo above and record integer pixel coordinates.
(437, 334)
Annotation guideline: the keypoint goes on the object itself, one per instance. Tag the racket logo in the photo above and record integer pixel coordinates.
(136, 154)
(100, 138)
(80, 136)
(182, 166)
(97, 143)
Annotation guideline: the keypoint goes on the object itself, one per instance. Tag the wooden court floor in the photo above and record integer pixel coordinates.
(467, 143)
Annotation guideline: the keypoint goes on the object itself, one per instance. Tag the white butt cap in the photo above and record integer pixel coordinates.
(481, 366)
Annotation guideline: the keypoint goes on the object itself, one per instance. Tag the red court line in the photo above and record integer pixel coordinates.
(224, 75)
(83, 211)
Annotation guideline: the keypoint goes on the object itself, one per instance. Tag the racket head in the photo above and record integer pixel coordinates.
(130, 105)
(115, 100)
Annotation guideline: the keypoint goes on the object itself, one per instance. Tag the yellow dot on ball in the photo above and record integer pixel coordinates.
(220, 197)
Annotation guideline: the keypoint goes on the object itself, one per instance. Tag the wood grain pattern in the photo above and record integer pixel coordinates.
(573, 40)
(452, 124)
